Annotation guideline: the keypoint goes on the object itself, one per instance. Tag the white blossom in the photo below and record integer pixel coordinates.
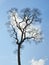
(34, 31)
(30, 31)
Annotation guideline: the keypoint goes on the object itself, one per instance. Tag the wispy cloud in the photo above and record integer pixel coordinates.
(38, 62)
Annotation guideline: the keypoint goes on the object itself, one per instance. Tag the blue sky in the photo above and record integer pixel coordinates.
(30, 51)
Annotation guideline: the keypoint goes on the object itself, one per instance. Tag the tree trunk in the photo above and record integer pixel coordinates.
(19, 62)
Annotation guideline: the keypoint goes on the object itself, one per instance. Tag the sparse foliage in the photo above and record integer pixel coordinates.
(23, 26)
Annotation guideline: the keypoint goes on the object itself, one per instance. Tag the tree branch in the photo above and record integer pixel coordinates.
(17, 24)
(15, 33)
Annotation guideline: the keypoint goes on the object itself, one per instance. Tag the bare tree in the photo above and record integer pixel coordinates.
(24, 26)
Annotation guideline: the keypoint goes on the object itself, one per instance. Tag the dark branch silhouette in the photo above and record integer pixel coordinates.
(24, 27)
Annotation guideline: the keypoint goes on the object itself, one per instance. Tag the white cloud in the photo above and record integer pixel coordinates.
(38, 62)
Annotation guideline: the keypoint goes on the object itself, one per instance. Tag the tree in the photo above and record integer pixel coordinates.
(23, 26)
